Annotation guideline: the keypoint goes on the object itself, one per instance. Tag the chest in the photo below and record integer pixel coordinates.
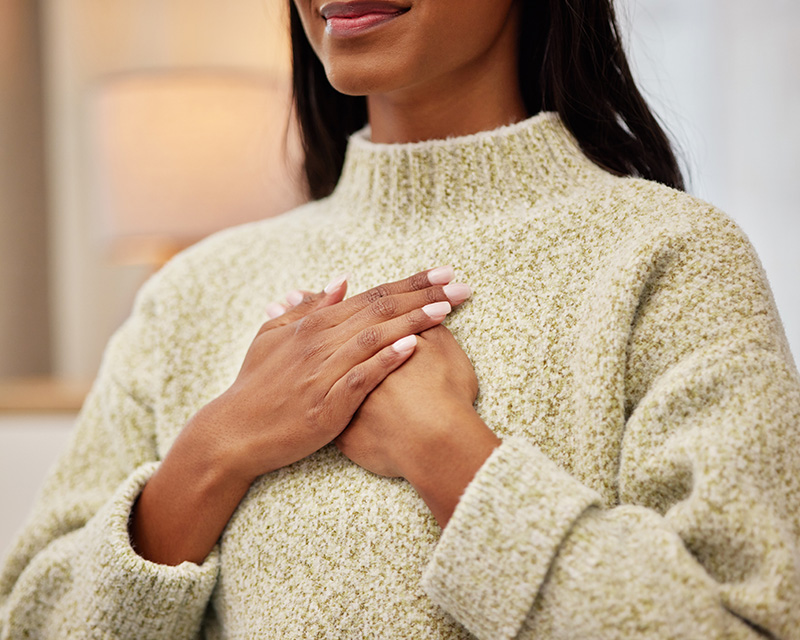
(522, 329)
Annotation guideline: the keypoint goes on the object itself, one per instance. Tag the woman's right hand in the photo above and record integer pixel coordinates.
(304, 376)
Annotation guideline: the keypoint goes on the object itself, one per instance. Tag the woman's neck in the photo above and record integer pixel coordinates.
(448, 117)
(486, 97)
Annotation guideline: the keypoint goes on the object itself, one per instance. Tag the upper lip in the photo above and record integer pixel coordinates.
(357, 8)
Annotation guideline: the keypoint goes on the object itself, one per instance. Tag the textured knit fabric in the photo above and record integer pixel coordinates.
(628, 353)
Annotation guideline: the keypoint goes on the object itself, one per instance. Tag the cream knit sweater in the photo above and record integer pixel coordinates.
(628, 353)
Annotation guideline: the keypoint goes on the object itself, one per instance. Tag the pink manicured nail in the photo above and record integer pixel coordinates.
(336, 284)
(275, 309)
(457, 292)
(437, 310)
(441, 275)
(295, 297)
(404, 345)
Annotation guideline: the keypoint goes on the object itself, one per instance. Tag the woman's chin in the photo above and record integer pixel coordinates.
(358, 82)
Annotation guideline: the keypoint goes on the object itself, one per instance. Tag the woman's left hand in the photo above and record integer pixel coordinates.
(420, 424)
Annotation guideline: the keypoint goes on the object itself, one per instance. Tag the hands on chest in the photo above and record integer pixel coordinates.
(417, 419)
(376, 374)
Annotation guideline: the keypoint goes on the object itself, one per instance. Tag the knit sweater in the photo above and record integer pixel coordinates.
(628, 354)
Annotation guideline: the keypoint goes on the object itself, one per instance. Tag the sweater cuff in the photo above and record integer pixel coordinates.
(495, 552)
(136, 598)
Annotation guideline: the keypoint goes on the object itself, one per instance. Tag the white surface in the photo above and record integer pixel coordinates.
(29, 444)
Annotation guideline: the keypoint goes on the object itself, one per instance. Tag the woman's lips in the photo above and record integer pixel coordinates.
(351, 18)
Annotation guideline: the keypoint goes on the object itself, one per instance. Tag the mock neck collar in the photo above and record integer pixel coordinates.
(518, 164)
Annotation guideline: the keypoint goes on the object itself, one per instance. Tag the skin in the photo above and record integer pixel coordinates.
(304, 377)
(420, 424)
(444, 68)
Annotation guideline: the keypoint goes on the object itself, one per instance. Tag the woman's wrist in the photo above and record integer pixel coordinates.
(186, 505)
(449, 461)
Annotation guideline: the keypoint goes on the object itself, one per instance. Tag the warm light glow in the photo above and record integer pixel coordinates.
(179, 155)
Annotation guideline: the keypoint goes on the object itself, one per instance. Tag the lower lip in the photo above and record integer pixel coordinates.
(345, 27)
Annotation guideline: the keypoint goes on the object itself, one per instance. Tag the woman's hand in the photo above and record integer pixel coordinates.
(420, 424)
(304, 376)
(308, 370)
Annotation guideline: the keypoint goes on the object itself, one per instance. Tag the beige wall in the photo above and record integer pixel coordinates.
(84, 41)
(24, 328)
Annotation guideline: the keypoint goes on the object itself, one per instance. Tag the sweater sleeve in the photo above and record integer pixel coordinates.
(71, 572)
(702, 538)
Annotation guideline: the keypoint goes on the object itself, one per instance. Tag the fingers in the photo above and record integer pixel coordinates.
(433, 285)
(421, 281)
(352, 388)
(276, 309)
(383, 310)
(371, 339)
(391, 300)
(360, 318)
(293, 299)
(300, 303)
(418, 282)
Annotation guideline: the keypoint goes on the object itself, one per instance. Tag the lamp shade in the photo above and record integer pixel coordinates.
(178, 155)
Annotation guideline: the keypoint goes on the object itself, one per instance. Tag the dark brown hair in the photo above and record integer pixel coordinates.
(571, 61)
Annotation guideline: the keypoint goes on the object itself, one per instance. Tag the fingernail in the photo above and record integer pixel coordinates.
(275, 309)
(437, 310)
(404, 345)
(441, 275)
(457, 292)
(295, 297)
(336, 284)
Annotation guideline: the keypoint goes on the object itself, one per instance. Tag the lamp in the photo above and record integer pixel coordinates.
(177, 155)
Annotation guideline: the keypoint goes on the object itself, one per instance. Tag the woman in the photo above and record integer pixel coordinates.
(601, 443)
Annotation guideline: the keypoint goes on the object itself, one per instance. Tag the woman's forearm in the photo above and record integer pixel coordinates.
(186, 505)
(446, 466)
(306, 373)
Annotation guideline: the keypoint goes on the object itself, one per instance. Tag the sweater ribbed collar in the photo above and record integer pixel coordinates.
(516, 164)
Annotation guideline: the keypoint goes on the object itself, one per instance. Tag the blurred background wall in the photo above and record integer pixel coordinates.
(25, 347)
(723, 74)
(61, 296)
(84, 41)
